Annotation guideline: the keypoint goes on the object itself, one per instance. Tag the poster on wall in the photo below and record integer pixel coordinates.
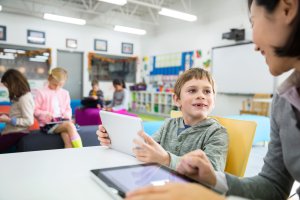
(127, 48)
(3, 33)
(100, 45)
(71, 43)
(36, 37)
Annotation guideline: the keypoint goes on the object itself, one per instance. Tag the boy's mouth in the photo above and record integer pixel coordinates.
(200, 105)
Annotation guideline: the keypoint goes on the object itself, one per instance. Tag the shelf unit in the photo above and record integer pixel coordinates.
(159, 103)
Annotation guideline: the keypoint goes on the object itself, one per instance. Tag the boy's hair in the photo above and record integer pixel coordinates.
(16, 84)
(95, 82)
(59, 74)
(193, 73)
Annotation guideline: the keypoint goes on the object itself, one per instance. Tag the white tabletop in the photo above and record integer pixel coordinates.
(56, 174)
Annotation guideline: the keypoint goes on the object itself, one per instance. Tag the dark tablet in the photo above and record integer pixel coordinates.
(123, 179)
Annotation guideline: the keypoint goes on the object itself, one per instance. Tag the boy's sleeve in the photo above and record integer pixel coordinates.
(216, 149)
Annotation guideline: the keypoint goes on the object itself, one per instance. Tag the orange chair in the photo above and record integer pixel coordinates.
(35, 125)
(4, 109)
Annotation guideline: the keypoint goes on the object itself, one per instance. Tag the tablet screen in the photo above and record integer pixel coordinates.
(129, 178)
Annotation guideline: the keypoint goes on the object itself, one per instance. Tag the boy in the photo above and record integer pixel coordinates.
(194, 94)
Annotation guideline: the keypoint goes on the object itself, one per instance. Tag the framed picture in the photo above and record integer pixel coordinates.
(3, 33)
(100, 45)
(36, 37)
(71, 43)
(127, 48)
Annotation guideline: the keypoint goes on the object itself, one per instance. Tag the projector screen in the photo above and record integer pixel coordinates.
(238, 69)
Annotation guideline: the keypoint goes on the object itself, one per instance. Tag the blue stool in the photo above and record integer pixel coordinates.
(262, 133)
(151, 127)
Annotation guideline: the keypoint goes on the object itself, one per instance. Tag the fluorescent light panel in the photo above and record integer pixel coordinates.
(117, 2)
(64, 19)
(0, 7)
(178, 15)
(130, 30)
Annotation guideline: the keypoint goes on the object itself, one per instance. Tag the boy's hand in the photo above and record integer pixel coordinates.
(150, 151)
(197, 166)
(4, 118)
(103, 136)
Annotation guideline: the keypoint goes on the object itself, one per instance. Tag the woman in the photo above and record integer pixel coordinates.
(276, 34)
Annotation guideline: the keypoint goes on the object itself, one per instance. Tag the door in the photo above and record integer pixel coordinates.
(73, 63)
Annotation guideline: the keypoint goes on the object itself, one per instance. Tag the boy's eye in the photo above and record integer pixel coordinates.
(192, 91)
(207, 91)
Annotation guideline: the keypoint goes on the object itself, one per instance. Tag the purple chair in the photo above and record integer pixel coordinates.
(90, 116)
(87, 116)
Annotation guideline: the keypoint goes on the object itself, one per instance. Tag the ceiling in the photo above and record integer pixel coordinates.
(136, 13)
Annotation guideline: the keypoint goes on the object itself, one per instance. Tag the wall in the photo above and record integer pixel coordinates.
(214, 18)
(56, 34)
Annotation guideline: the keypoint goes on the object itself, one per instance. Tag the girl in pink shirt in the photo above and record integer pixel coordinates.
(52, 103)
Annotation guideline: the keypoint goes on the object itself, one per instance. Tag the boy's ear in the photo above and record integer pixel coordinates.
(176, 100)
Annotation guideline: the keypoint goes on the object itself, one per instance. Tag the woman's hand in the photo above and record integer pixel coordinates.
(197, 166)
(150, 151)
(174, 191)
(103, 136)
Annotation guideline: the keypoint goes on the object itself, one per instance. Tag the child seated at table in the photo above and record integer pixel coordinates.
(52, 103)
(195, 97)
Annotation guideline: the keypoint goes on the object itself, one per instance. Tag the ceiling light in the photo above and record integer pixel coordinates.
(0, 7)
(129, 30)
(177, 14)
(117, 2)
(64, 19)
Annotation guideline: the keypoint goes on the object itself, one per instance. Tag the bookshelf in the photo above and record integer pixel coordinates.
(159, 103)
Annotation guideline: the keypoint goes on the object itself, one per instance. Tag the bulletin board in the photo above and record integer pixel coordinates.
(239, 69)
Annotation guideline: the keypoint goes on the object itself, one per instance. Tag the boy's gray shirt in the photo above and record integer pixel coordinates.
(282, 162)
(207, 135)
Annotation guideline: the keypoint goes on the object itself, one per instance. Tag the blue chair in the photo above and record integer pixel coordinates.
(74, 104)
(151, 127)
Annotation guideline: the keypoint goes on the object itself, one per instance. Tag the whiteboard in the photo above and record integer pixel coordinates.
(239, 69)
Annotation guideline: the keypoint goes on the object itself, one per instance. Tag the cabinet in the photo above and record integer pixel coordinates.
(160, 103)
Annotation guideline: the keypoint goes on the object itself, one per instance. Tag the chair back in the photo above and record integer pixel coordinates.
(241, 134)
(35, 125)
(175, 114)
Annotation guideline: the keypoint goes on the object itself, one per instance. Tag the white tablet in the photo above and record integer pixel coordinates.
(122, 130)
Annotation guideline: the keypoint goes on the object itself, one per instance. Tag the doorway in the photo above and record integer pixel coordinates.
(73, 63)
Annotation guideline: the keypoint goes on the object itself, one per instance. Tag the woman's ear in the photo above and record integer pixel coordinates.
(290, 10)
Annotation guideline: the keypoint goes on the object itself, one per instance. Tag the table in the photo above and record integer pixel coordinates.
(57, 174)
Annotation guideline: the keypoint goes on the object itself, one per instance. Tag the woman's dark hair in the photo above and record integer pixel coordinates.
(16, 84)
(119, 82)
(292, 46)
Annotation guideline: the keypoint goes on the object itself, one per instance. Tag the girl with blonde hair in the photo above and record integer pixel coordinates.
(52, 105)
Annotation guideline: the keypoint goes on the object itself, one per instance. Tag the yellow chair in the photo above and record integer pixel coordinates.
(241, 134)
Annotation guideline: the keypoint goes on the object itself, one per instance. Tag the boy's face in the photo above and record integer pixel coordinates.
(95, 87)
(196, 99)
